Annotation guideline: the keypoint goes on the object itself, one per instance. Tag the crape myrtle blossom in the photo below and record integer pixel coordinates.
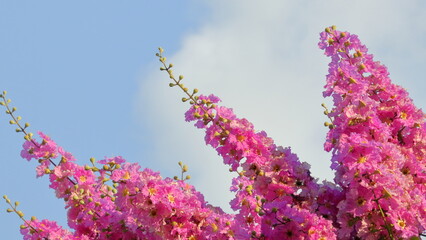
(140, 204)
(276, 197)
(378, 142)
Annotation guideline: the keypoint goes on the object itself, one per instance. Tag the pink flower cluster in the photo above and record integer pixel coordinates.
(137, 204)
(378, 141)
(276, 197)
(377, 138)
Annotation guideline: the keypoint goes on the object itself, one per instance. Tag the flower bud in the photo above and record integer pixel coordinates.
(257, 209)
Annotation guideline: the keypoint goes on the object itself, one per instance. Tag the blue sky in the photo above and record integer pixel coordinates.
(84, 72)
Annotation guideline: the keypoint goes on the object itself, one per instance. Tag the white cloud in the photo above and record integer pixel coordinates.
(261, 58)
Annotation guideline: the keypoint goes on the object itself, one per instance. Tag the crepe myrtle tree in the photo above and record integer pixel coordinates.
(376, 136)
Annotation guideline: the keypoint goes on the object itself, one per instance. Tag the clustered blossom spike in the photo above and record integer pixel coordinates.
(137, 204)
(377, 138)
(378, 141)
(275, 193)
